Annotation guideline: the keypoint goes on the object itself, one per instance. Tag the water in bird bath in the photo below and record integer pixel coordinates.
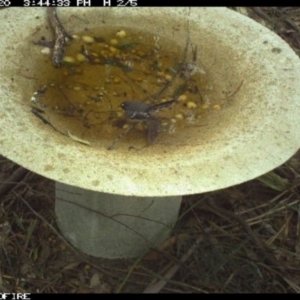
(103, 68)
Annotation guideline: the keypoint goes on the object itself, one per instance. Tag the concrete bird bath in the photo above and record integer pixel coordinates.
(119, 203)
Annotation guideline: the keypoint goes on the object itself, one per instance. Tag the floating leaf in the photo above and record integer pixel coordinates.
(126, 46)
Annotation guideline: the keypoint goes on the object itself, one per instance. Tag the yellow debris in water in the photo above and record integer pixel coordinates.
(46, 50)
(182, 97)
(217, 106)
(168, 77)
(179, 116)
(80, 57)
(191, 104)
(69, 59)
(88, 39)
(114, 41)
(120, 114)
(121, 33)
(114, 50)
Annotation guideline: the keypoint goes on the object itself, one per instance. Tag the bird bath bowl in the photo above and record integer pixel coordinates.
(257, 132)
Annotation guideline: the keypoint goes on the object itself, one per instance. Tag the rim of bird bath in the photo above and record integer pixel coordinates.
(253, 135)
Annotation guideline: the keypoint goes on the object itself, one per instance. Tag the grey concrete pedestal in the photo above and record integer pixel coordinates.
(114, 226)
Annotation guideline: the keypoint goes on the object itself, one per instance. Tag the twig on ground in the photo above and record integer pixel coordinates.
(14, 179)
(156, 287)
(260, 246)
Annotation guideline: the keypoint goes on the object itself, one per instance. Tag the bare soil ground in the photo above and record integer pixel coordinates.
(241, 239)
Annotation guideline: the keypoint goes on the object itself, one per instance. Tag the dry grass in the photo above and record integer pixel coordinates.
(241, 239)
